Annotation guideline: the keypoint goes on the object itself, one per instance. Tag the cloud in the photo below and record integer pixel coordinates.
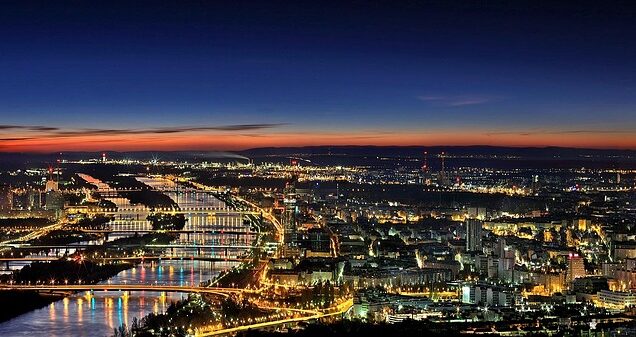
(457, 100)
(12, 139)
(46, 131)
(28, 127)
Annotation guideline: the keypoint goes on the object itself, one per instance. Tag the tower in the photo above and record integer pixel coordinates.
(426, 179)
(51, 184)
(425, 164)
(441, 176)
(473, 235)
(289, 215)
(6, 198)
(576, 267)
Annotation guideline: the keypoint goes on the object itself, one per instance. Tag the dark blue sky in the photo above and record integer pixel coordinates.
(492, 70)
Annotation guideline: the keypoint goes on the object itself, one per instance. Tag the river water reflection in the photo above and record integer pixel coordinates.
(99, 313)
(83, 314)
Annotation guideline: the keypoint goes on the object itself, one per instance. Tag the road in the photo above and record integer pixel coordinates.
(313, 315)
(37, 233)
(267, 215)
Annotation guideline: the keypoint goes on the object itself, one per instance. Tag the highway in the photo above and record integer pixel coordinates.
(35, 234)
(267, 215)
(313, 315)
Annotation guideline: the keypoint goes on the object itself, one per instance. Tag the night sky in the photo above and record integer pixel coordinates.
(216, 75)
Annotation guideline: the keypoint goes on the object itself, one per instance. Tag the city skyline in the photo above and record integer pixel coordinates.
(252, 168)
(232, 76)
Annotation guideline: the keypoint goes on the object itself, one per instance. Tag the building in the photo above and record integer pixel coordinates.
(307, 272)
(397, 277)
(589, 284)
(377, 305)
(576, 268)
(51, 185)
(289, 218)
(617, 299)
(34, 201)
(491, 295)
(317, 242)
(624, 250)
(626, 275)
(473, 235)
(487, 265)
(414, 315)
(54, 201)
(6, 198)
(478, 213)
(583, 224)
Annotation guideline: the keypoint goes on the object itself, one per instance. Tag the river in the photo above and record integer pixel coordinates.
(83, 314)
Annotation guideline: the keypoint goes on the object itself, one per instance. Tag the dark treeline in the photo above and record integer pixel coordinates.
(167, 221)
(63, 237)
(61, 271)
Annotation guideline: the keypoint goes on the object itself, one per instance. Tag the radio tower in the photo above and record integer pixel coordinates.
(425, 165)
(441, 177)
(425, 177)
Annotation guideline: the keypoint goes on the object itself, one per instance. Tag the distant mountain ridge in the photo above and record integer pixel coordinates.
(417, 151)
(544, 153)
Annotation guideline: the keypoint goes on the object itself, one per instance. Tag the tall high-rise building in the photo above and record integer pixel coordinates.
(289, 216)
(473, 235)
(477, 213)
(34, 199)
(6, 198)
(51, 185)
(54, 200)
(576, 267)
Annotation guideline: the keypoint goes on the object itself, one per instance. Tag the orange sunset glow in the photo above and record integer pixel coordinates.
(241, 141)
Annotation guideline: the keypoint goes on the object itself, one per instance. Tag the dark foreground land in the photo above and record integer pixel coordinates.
(410, 328)
(16, 303)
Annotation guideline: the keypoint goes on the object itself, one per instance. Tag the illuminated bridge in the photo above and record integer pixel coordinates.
(29, 259)
(113, 192)
(210, 210)
(132, 258)
(183, 231)
(169, 245)
(125, 287)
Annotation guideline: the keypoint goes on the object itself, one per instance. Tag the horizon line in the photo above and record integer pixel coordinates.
(334, 146)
